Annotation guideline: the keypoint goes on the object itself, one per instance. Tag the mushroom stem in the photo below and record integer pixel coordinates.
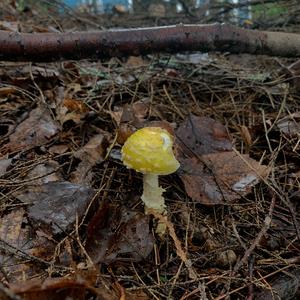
(152, 195)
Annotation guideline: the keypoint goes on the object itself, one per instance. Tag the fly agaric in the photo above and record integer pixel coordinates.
(149, 151)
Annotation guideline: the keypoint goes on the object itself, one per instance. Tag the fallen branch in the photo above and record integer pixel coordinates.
(141, 41)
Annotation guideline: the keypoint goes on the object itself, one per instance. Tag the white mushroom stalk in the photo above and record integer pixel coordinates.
(152, 194)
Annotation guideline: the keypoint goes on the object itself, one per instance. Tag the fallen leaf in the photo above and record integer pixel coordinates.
(52, 289)
(9, 26)
(211, 171)
(55, 205)
(44, 173)
(135, 62)
(7, 90)
(17, 240)
(203, 135)
(4, 164)
(12, 233)
(90, 154)
(129, 118)
(45, 72)
(75, 105)
(117, 233)
(283, 286)
(67, 107)
(294, 72)
(59, 149)
(36, 130)
(290, 125)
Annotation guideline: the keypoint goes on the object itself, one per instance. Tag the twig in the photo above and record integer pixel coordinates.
(142, 41)
(8, 293)
(255, 243)
(180, 252)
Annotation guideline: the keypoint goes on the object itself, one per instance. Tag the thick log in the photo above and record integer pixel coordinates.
(141, 41)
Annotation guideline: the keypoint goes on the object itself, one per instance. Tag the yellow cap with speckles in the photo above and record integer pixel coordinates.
(149, 151)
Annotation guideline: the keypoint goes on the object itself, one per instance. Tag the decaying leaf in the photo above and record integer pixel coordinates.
(210, 174)
(52, 289)
(129, 118)
(17, 240)
(117, 233)
(55, 205)
(4, 164)
(73, 287)
(290, 125)
(36, 130)
(71, 109)
(90, 154)
(135, 62)
(44, 173)
(203, 135)
(12, 233)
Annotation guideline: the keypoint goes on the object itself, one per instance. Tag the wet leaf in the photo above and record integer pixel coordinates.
(117, 233)
(210, 174)
(55, 205)
(36, 130)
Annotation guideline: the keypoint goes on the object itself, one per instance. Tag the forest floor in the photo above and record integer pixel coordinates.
(72, 225)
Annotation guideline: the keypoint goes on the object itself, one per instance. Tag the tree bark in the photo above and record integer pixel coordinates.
(141, 41)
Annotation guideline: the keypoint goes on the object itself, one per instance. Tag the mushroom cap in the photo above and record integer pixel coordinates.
(149, 151)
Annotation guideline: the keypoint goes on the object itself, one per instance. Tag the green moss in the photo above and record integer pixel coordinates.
(268, 10)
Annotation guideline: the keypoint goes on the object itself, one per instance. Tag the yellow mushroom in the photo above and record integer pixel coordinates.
(149, 151)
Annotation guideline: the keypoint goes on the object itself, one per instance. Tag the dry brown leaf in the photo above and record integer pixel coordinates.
(51, 289)
(58, 149)
(290, 125)
(129, 118)
(135, 62)
(117, 233)
(44, 173)
(210, 174)
(45, 72)
(17, 241)
(203, 135)
(9, 26)
(36, 130)
(12, 233)
(7, 90)
(4, 164)
(90, 154)
(75, 105)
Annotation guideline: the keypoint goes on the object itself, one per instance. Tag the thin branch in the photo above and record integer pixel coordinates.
(141, 41)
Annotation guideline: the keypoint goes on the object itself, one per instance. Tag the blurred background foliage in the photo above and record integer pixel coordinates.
(247, 13)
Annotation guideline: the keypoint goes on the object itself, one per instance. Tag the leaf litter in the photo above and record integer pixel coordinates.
(71, 220)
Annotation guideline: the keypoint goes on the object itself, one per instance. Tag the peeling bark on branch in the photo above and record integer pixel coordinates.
(140, 41)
